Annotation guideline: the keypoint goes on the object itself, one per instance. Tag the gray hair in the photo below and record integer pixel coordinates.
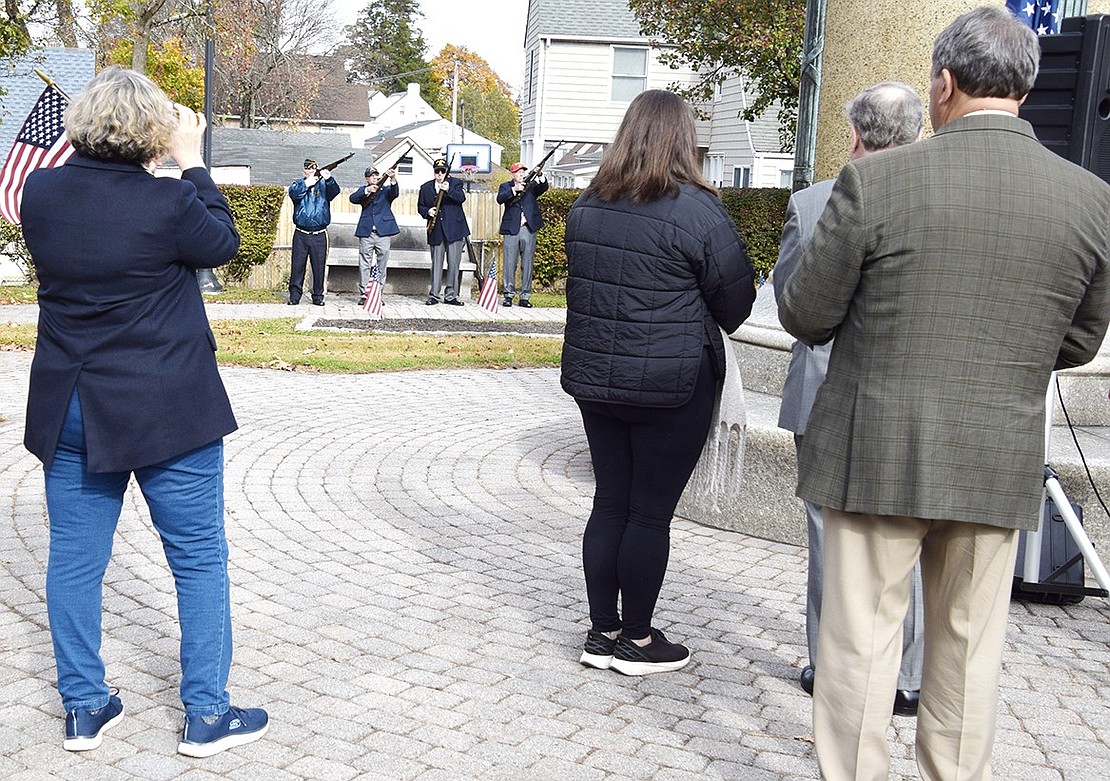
(886, 114)
(989, 53)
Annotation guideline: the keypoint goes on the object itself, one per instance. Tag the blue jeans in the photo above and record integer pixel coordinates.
(185, 497)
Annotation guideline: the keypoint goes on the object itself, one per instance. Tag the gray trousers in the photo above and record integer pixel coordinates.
(367, 247)
(913, 628)
(454, 259)
(522, 245)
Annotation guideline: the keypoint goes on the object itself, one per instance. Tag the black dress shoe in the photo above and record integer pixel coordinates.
(317, 303)
(508, 301)
(905, 702)
(291, 302)
(806, 680)
(432, 301)
(454, 302)
(524, 302)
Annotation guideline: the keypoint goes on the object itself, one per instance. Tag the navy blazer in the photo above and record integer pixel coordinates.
(121, 317)
(376, 211)
(451, 225)
(510, 220)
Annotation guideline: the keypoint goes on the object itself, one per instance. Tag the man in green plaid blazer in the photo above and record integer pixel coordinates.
(955, 274)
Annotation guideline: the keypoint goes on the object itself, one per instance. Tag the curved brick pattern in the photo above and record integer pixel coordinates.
(408, 604)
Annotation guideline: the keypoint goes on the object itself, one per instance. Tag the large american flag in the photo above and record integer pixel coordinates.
(1042, 15)
(373, 303)
(487, 298)
(41, 143)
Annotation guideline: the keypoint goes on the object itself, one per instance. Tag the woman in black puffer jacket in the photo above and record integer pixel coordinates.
(655, 266)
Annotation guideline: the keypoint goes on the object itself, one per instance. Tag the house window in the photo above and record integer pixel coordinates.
(786, 178)
(404, 165)
(742, 177)
(629, 73)
(327, 129)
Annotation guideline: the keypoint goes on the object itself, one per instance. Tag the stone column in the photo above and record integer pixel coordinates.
(879, 40)
(868, 41)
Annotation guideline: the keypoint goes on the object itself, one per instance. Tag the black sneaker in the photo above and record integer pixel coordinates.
(598, 652)
(85, 728)
(524, 302)
(432, 301)
(203, 737)
(508, 301)
(658, 656)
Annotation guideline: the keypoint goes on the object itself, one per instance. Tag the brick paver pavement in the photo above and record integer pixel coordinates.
(408, 604)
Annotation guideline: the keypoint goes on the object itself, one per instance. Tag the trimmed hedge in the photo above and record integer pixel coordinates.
(759, 215)
(256, 209)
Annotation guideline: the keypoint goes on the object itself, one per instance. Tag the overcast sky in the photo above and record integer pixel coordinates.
(493, 29)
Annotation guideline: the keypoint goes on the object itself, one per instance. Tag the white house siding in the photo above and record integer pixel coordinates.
(575, 102)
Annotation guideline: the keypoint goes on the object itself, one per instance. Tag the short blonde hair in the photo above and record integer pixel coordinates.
(121, 115)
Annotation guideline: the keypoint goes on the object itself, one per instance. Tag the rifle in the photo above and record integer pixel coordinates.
(536, 171)
(367, 196)
(331, 166)
(439, 197)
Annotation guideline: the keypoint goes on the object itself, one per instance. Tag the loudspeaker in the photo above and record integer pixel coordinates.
(1069, 105)
(1061, 568)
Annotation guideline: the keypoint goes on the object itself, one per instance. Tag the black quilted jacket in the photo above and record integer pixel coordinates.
(647, 286)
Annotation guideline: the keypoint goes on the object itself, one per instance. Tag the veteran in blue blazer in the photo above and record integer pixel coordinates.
(519, 225)
(440, 203)
(124, 382)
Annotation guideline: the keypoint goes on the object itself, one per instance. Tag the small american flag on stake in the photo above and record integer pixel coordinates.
(41, 143)
(373, 303)
(487, 297)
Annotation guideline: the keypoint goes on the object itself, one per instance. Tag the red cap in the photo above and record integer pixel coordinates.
(517, 167)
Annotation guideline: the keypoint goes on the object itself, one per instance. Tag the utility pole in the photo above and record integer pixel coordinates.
(206, 278)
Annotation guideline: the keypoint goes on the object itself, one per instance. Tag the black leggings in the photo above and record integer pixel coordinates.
(642, 457)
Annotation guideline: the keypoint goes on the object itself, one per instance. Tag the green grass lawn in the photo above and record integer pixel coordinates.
(275, 344)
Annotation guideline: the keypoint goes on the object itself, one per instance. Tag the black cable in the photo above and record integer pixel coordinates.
(1082, 458)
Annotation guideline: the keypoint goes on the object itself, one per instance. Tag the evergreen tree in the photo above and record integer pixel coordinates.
(385, 48)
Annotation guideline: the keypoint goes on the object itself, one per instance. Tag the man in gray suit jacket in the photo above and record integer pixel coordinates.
(883, 116)
(956, 274)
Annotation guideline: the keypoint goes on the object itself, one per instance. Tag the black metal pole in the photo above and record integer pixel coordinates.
(206, 278)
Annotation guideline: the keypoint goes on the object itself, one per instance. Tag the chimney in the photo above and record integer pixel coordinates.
(414, 90)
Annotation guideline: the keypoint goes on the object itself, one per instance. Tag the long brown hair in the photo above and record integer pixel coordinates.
(655, 149)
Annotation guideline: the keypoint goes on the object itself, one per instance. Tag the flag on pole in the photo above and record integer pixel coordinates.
(487, 291)
(1042, 15)
(373, 303)
(41, 143)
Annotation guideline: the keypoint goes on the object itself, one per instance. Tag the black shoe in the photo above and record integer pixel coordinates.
(524, 302)
(362, 301)
(806, 680)
(432, 301)
(905, 702)
(291, 302)
(598, 651)
(658, 656)
(318, 303)
(454, 302)
(509, 301)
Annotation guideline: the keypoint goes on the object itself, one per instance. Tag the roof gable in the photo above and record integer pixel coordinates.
(581, 18)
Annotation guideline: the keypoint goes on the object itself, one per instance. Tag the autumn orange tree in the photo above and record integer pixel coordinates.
(758, 39)
(488, 99)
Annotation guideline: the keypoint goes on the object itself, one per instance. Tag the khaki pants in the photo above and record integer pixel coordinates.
(967, 571)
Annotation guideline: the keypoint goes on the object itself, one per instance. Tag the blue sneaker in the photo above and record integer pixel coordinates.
(236, 727)
(85, 728)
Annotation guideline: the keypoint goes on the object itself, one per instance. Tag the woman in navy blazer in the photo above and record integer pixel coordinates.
(124, 380)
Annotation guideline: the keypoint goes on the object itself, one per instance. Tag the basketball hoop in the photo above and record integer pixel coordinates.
(468, 169)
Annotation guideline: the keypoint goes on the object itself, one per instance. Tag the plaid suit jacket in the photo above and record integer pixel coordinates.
(955, 274)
